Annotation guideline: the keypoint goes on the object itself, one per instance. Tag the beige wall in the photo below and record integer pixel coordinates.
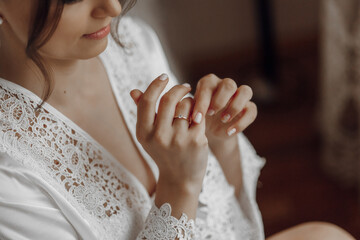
(191, 30)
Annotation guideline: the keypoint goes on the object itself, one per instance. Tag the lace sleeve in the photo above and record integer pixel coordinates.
(251, 163)
(160, 225)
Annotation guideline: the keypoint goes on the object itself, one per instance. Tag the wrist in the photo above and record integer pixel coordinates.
(224, 146)
(186, 188)
(183, 197)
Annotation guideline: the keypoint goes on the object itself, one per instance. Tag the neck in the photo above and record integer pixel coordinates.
(68, 76)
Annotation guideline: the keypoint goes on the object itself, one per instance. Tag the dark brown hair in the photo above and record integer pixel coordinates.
(44, 25)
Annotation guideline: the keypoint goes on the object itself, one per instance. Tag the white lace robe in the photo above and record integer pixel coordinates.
(57, 182)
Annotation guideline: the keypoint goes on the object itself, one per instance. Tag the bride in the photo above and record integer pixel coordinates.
(98, 140)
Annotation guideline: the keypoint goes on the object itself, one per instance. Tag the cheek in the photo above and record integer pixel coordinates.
(66, 40)
(63, 43)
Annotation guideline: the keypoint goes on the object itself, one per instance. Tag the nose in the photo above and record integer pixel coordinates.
(107, 8)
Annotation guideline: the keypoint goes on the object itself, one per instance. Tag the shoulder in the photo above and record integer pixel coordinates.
(134, 32)
(18, 186)
(15, 105)
(141, 30)
(31, 209)
(26, 210)
(143, 50)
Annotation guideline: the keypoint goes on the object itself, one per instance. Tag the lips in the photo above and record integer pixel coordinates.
(99, 34)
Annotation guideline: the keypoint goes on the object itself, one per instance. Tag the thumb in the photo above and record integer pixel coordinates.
(136, 95)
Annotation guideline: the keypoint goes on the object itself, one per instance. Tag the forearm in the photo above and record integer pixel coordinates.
(228, 154)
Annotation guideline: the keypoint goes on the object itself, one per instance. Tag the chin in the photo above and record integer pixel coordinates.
(95, 50)
(83, 51)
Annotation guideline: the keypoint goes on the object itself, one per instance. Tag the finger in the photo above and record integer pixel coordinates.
(223, 94)
(136, 95)
(197, 132)
(183, 108)
(241, 97)
(147, 103)
(167, 105)
(204, 92)
(248, 117)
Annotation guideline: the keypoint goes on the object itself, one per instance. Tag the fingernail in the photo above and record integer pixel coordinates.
(231, 132)
(211, 112)
(198, 117)
(186, 85)
(163, 77)
(225, 118)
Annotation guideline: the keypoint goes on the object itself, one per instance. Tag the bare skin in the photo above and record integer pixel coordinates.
(70, 56)
(313, 231)
(118, 140)
(76, 74)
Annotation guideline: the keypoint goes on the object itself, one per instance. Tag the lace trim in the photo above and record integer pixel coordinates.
(81, 171)
(102, 192)
(160, 225)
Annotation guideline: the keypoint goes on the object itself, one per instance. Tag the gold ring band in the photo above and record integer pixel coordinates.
(181, 117)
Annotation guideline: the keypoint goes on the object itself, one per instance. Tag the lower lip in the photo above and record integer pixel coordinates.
(99, 34)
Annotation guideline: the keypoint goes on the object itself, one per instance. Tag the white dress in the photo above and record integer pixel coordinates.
(57, 182)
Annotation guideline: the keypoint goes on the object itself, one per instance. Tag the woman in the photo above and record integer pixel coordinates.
(88, 163)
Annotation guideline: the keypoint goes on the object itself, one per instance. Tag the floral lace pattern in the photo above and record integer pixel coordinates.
(160, 225)
(81, 170)
(110, 198)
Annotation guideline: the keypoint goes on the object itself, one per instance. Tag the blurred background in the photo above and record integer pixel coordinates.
(302, 59)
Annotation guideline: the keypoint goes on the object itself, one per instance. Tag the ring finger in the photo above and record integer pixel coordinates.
(167, 105)
(183, 108)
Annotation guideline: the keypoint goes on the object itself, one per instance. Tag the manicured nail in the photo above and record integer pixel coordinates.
(211, 112)
(231, 132)
(163, 77)
(225, 118)
(198, 117)
(186, 85)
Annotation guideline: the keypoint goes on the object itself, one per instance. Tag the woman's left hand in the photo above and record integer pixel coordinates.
(227, 107)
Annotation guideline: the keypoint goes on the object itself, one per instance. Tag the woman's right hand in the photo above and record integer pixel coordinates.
(179, 149)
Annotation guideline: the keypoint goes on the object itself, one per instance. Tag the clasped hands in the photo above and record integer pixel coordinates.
(179, 148)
